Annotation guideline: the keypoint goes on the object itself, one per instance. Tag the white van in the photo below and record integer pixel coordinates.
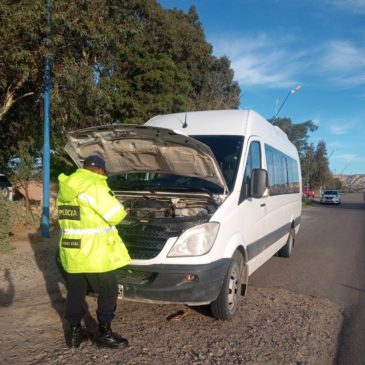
(213, 196)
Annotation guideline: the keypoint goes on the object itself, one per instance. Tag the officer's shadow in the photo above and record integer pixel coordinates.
(7, 295)
(46, 257)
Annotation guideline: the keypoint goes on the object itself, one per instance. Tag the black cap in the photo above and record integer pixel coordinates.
(94, 161)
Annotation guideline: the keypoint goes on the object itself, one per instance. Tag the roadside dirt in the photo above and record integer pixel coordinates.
(273, 326)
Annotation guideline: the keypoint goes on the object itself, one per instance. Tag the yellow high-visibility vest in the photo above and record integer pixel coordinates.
(87, 214)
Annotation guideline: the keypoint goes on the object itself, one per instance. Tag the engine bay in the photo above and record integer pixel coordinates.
(155, 217)
(152, 206)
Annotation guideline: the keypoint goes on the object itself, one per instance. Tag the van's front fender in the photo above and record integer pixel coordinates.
(235, 242)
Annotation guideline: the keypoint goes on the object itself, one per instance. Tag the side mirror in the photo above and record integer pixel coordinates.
(258, 183)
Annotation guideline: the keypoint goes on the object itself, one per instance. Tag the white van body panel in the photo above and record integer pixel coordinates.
(265, 214)
(249, 226)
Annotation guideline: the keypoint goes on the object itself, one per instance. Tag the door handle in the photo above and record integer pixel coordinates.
(262, 204)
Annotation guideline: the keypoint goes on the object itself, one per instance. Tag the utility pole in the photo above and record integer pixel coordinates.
(46, 123)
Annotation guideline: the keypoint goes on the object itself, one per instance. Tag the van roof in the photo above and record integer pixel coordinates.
(220, 122)
(195, 123)
(242, 122)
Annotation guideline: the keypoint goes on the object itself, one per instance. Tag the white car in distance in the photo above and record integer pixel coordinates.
(331, 196)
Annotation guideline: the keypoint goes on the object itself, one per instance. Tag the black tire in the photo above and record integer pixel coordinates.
(286, 250)
(226, 304)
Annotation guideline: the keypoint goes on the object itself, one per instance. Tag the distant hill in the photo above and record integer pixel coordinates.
(353, 182)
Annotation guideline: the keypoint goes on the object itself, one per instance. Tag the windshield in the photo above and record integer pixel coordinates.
(156, 181)
(227, 151)
(331, 192)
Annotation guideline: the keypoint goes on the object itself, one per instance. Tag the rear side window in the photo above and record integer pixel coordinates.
(253, 162)
(282, 172)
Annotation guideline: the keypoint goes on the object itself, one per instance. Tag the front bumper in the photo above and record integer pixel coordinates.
(330, 201)
(188, 284)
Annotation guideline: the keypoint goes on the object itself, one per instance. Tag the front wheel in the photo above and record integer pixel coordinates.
(226, 304)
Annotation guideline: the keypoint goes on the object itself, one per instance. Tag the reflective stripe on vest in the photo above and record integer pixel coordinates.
(88, 230)
(113, 211)
(88, 198)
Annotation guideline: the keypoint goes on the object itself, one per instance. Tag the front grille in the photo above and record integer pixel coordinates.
(143, 242)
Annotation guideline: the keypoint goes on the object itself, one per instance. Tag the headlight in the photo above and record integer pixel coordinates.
(195, 241)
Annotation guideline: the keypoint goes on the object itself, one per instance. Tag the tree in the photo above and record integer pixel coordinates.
(309, 165)
(112, 61)
(222, 92)
(22, 31)
(297, 133)
(323, 175)
(24, 172)
(21, 51)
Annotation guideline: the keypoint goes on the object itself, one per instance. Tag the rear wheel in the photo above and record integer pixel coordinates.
(286, 250)
(226, 304)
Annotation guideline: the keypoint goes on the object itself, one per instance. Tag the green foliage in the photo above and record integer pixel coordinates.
(322, 176)
(305, 201)
(309, 165)
(12, 214)
(297, 133)
(5, 225)
(19, 216)
(338, 184)
(22, 49)
(112, 61)
(23, 171)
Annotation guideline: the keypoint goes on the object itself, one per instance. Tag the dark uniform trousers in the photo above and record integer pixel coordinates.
(105, 284)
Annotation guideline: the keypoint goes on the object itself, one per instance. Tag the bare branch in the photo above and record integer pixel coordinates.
(9, 97)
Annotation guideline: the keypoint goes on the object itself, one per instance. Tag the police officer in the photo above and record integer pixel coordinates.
(90, 248)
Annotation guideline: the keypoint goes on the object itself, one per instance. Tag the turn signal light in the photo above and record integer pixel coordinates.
(189, 278)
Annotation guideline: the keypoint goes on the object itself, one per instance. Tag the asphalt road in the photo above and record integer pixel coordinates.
(329, 261)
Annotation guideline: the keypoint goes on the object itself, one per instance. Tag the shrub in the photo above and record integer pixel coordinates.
(5, 226)
(13, 215)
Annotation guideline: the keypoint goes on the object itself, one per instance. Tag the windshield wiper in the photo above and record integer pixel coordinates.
(190, 188)
(134, 187)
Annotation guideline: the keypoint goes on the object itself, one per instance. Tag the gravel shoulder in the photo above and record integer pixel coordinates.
(272, 326)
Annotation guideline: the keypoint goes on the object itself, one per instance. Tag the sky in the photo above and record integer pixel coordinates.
(276, 45)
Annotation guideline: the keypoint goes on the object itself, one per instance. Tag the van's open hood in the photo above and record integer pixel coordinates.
(135, 148)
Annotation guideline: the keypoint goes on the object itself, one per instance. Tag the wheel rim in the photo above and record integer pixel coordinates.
(233, 289)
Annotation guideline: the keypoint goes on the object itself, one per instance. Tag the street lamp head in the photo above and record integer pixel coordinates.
(296, 89)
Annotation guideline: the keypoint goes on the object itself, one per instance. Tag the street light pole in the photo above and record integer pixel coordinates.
(46, 145)
(295, 90)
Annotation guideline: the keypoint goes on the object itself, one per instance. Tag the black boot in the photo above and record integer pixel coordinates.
(75, 336)
(107, 338)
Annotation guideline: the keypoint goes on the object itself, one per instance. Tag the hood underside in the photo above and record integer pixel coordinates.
(134, 148)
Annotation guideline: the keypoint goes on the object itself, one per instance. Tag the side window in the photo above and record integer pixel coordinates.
(270, 166)
(253, 162)
(282, 172)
